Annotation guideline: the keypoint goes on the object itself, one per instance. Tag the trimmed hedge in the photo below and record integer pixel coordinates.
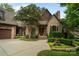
(67, 41)
(70, 36)
(51, 39)
(62, 40)
(55, 34)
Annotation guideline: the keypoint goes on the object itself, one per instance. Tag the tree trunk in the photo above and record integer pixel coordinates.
(30, 29)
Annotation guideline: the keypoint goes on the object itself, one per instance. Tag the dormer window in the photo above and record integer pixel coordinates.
(1, 15)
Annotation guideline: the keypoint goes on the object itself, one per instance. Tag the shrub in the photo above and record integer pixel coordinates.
(77, 43)
(67, 42)
(77, 40)
(70, 36)
(57, 34)
(51, 39)
(17, 37)
(50, 36)
(33, 33)
(53, 35)
(77, 50)
(27, 36)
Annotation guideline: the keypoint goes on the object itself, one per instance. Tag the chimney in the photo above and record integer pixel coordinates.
(58, 14)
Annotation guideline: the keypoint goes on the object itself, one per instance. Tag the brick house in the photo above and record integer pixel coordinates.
(9, 28)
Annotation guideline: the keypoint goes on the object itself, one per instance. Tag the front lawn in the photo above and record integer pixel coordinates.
(56, 53)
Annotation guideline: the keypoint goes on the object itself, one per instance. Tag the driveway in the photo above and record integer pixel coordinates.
(15, 47)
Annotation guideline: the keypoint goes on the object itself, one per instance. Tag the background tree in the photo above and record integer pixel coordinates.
(72, 15)
(6, 6)
(29, 15)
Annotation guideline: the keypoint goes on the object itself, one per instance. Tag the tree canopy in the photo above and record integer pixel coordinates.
(72, 15)
(29, 14)
(6, 6)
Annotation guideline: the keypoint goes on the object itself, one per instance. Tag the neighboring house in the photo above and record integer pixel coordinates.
(7, 25)
(9, 28)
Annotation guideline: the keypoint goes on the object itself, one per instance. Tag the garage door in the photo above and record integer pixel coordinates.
(5, 33)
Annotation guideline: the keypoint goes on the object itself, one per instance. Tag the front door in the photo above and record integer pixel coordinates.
(42, 30)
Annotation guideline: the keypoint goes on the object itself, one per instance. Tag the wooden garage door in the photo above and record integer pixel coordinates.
(5, 33)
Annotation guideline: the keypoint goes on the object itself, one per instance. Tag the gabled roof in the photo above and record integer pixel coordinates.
(46, 15)
(7, 21)
(57, 18)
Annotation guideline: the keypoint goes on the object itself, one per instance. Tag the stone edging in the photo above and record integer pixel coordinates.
(65, 49)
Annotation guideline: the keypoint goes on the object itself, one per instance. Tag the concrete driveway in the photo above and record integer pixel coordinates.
(15, 47)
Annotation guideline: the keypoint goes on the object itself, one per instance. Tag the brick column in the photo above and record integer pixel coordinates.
(13, 32)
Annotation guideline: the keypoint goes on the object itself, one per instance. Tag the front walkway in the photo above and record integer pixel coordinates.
(14, 47)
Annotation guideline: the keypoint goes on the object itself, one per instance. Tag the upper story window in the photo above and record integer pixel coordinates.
(54, 28)
(1, 15)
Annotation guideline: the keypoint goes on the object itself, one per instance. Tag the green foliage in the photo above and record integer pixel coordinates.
(51, 39)
(55, 34)
(56, 53)
(77, 43)
(6, 6)
(27, 36)
(77, 50)
(21, 37)
(67, 41)
(61, 46)
(29, 14)
(33, 33)
(72, 15)
(70, 36)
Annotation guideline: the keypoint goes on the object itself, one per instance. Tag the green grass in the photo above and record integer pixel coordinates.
(61, 46)
(56, 53)
(77, 43)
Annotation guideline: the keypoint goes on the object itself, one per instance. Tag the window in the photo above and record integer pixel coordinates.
(54, 28)
(1, 15)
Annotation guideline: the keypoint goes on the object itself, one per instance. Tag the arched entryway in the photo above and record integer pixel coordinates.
(42, 30)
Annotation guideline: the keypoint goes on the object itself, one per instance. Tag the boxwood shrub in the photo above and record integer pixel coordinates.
(57, 34)
(70, 36)
(67, 42)
(51, 39)
(53, 35)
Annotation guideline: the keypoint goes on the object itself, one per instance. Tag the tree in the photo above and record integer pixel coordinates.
(72, 15)
(6, 7)
(29, 15)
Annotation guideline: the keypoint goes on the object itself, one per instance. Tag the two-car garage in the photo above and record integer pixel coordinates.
(7, 32)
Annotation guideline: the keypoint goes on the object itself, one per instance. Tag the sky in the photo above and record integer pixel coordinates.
(52, 7)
